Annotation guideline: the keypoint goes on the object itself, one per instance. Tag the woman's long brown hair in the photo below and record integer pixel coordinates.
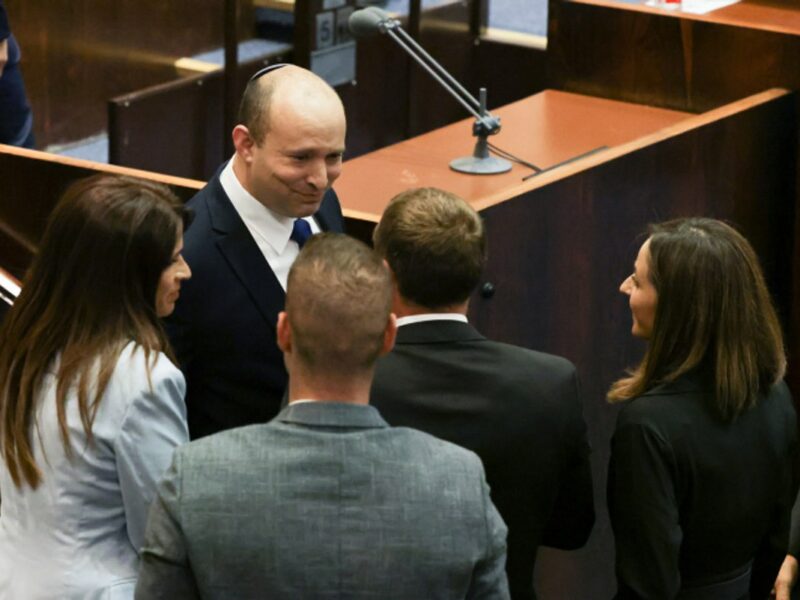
(90, 291)
(713, 311)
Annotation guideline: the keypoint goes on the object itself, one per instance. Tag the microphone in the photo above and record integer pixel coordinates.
(371, 20)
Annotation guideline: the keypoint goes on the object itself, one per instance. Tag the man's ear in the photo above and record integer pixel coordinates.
(243, 142)
(389, 335)
(397, 300)
(391, 271)
(284, 333)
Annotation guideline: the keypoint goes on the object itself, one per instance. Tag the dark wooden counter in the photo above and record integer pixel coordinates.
(561, 243)
(671, 58)
(545, 129)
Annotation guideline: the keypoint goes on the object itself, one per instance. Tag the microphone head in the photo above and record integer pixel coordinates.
(385, 16)
(367, 21)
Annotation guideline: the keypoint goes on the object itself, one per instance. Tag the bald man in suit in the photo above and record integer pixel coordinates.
(251, 220)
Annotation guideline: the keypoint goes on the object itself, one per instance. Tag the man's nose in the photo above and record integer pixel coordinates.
(317, 176)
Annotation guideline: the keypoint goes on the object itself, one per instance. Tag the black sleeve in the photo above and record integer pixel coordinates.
(784, 528)
(644, 514)
(572, 518)
(794, 531)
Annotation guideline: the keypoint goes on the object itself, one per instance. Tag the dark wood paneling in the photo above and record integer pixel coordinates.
(557, 255)
(689, 62)
(33, 181)
(444, 32)
(612, 50)
(377, 104)
(175, 127)
(560, 244)
(78, 54)
(508, 71)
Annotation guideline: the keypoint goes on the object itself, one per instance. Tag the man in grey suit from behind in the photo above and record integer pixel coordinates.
(326, 500)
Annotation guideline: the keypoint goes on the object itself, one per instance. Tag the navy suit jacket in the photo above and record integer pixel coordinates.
(223, 326)
(518, 410)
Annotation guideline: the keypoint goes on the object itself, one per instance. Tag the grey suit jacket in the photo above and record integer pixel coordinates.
(325, 501)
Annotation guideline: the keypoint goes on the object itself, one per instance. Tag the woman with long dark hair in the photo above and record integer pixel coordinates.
(91, 406)
(700, 482)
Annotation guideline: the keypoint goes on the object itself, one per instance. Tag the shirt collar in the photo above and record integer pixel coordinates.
(332, 414)
(431, 317)
(272, 228)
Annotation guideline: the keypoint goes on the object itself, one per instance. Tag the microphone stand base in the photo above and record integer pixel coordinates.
(490, 165)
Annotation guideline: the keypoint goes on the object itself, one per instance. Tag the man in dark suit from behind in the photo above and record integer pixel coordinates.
(519, 410)
(250, 221)
(326, 500)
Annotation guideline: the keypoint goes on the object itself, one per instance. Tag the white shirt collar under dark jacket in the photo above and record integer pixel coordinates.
(431, 317)
(269, 230)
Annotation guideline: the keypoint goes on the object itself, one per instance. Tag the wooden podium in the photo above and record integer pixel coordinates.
(630, 51)
(561, 243)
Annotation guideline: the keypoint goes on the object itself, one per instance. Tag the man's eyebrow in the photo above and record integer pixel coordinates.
(309, 150)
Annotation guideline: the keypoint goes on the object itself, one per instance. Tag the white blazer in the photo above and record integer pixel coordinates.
(78, 534)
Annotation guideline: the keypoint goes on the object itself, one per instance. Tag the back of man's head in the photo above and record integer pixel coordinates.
(338, 302)
(435, 244)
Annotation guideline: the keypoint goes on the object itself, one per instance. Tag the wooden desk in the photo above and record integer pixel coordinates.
(779, 17)
(545, 129)
(688, 62)
(670, 58)
(32, 183)
(281, 5)
(561, 243)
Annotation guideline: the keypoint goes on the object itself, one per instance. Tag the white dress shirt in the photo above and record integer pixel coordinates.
(270, 230)
(431, 317)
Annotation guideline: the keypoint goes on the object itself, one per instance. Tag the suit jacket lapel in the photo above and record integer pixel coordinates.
(328, 215)
(240, 250)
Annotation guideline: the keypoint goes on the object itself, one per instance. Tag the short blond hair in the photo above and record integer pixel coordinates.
(338, 301)
(435, 244)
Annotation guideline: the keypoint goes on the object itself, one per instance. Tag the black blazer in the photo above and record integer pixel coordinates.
(518, 410)
(693, 499)
(223, 327)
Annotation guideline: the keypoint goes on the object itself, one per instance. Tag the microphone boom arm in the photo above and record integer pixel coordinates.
(486, 122)
(373, 19)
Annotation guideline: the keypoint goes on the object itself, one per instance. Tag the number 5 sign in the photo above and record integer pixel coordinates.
(326, 30)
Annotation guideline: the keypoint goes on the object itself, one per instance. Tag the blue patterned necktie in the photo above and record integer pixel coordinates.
(301, 231)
